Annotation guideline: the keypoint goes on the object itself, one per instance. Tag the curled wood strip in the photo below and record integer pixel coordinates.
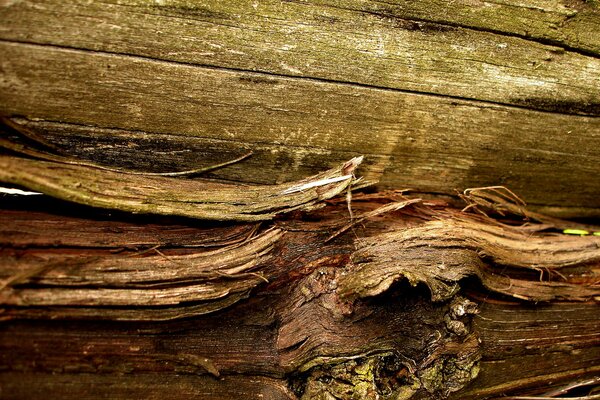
(209, 278)
(196, 198)
(503, 201)
(440, 253)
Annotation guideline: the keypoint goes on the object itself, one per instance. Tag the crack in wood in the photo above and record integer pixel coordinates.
(546, 105)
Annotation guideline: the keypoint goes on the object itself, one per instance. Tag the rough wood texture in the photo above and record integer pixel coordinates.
(202, 199)
(368, 43)
(91, 364)
(373, 295)
(37, 229)
(300, 334)
(437, 96)
(445, 251)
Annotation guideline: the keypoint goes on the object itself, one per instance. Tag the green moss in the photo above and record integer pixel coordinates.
(432, 378)
(365, 371)
(352, 379)
(407, 391)
(475, 369)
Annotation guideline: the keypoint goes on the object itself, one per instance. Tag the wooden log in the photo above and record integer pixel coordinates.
(369, 43)
(438, 97)
(374, 295)
(302, 334)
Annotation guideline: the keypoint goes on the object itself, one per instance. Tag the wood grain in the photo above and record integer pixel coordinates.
(67, 179)
(299, 334)
(141, 386)
(438, 96)
(545, 337)
(42, 230)
(295, 126)
(428, 48)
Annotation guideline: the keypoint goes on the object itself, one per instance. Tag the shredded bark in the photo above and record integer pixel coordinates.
(441, 253)
(336, 318)
(39, 229)
(207, 281)
(502, 201)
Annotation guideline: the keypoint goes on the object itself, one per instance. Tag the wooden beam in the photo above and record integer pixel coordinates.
(493, 52)
(295, 126)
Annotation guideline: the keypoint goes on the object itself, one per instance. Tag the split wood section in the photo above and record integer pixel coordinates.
(437, 95)
(369, 43)
(423, 301)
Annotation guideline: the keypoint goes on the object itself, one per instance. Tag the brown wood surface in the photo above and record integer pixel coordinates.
(315, 325)
(367, 295)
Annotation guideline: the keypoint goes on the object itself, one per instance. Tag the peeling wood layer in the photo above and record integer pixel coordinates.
(22, 230)
(201, 199)
(405, 166)
(151, 281)
(511, 261)
(300, 332)
(441, 253)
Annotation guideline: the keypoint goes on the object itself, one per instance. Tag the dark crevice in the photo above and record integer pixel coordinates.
(21, 120)
(259, 73)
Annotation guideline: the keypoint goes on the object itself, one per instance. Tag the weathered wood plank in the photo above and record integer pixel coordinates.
(558, 342)
(369, 43)
(193, 346)
(296, 126)
(571, 24)
(122, 361)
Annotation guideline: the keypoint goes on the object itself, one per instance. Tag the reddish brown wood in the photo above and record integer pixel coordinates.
(308, 331)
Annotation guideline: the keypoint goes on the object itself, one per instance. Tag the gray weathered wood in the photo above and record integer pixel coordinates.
(439, 96)
(295, 125)
(369, 43)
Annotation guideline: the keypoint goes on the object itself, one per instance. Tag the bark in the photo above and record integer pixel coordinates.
(413, 299)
